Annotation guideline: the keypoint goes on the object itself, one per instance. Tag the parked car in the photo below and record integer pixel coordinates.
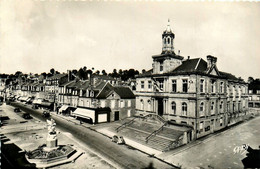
(46, 114)
(27, 116)
(17, 109)
(118, 139)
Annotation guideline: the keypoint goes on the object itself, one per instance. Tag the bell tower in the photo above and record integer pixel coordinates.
(167, 40)
(167, 61)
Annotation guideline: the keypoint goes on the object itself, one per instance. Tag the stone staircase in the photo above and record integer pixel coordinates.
(140, 130)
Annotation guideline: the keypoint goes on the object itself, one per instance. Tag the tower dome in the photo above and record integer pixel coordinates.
(167, 40)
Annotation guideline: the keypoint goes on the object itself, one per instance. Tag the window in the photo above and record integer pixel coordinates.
(149, 105)
(161, 67)
(142, 104)
(149, 84)
(129, 103)
(201, 106)
(221, 87)
(113, 103)
(201, 109)
(239, 106)
(161, 84)
(174, 86)
(212, 86)
(221, 121)
(212, 108)
(91, 94)
(122, 103)
(201, 125)
(201, 85)
(250, 98)
(164, 40)
(184, 109)
(168, 40)
(228, 107)
(103, 103)
(142, 84)
(128, 113)
(174, 107)
(221, 106)
(185, 86)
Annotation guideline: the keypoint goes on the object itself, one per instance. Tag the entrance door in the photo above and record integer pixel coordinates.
(116, 115)
(160, 106)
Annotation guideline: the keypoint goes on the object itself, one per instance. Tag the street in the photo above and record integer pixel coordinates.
(121, 155)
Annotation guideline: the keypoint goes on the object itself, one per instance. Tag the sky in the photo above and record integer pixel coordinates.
(36, 36)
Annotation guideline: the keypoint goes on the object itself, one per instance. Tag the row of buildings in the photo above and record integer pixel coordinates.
(99, 95)
(191, 92)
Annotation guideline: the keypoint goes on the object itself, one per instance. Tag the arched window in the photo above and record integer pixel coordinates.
(168, 40)
(164, 40)
(149, 105)
(171, 41)
(174, 107)
(142, 104)
(184, 109)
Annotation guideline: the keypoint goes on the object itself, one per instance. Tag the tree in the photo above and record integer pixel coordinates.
(114, 73)
(104, 72)
(74, 71)
(52, 71)
(97, 72)
(120, 72)
(250, 79)
(143, 71)
(82, 74)
(18, 73)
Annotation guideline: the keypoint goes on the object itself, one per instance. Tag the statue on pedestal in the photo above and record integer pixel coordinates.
(52, 141)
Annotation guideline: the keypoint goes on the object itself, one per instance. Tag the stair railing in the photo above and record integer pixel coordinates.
(125, 124)
(154, 133)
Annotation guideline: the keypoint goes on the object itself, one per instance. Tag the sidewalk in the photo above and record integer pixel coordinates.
(215, 150)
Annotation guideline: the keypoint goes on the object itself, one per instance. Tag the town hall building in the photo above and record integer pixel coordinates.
(190, 92)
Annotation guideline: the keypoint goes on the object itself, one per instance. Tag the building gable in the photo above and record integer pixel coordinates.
(213, 71)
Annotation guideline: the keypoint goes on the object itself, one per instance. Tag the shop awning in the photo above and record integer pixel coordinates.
(46, 104)
(63, 108)
(37, 101)
(84, 113)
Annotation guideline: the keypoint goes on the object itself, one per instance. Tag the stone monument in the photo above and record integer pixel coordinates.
(52, 141)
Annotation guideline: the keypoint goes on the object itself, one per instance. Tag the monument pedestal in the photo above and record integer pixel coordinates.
(51, 141)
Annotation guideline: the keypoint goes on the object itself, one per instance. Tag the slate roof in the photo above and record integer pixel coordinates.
(104, 77)
(196, 66)
(57, 76)
(192, 65)
(74, 84)
(105, 91)
(85, 85)
(171, 55)
(123, 92)
(100, 85)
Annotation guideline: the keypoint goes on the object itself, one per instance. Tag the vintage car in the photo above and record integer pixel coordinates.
(118, 139)
(17, 109)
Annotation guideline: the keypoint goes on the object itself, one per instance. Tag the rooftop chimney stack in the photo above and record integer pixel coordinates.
(212, 61)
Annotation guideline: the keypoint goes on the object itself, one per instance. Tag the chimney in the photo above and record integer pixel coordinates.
(69, 75)
(188, 57)
(212, 61)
